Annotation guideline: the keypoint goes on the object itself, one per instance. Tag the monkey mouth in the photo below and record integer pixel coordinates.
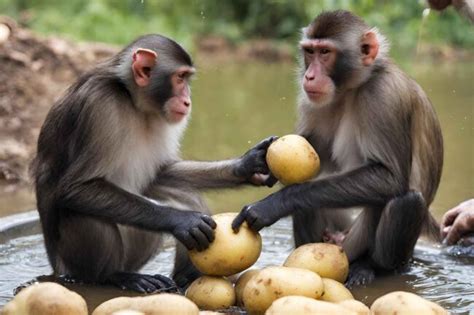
(312, 94)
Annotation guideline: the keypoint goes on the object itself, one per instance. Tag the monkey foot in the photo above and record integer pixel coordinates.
(360, 273)
(143, 283)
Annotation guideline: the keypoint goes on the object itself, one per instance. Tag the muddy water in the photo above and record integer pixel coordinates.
(237, 105)
(432, 274)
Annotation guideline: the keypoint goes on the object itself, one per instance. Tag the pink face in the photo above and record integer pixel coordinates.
(179, 105)
(319, 59)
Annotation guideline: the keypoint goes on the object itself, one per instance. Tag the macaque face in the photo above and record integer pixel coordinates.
(319, 59)
(178, 106)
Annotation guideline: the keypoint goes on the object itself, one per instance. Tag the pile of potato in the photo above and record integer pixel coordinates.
(229, 254)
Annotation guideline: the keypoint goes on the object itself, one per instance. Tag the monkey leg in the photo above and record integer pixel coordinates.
(356, 243)
(398, 230)
(394, 239)
(96, 251)
(184, 271)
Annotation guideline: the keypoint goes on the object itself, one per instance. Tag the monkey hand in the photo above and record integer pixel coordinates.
(252, 166)
(194, 229)
(260, 214)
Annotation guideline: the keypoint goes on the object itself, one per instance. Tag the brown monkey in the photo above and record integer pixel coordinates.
(108, 174)
(380, 146)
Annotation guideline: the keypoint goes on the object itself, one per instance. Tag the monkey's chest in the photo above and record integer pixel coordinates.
(347, 151)
(139, 161)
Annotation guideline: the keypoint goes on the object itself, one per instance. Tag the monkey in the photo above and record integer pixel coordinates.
(108, 176)
(380, 146)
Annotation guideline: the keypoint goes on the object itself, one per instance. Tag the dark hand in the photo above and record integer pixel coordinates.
(261, 214)
(194, 229)
(252, 166)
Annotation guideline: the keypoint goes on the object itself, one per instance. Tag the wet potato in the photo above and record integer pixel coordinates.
(157, 304)
(334, 291)
(211, 293)
(272, 283)
(327, 260)
(242, 283)
(230, 252)
(358, 307)
(306, 306)
(400, 302)
(46, 298)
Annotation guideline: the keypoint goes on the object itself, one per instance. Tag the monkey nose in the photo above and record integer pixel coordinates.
(187, 102)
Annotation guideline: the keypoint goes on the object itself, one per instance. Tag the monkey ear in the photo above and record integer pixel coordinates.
(143, 61)
(369, 48)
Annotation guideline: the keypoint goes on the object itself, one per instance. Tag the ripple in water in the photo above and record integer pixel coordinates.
(433, 274)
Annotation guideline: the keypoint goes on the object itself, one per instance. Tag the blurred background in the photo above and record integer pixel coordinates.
(245, 89)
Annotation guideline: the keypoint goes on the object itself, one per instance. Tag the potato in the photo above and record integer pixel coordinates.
(305, 306)
(242, 282)
(211, 293)
(292, 159)
(358, 307)
(157, 304)
(128, 312)
(405, 303)
(272, 283)
(327, 260)
(230, 252)
(46, 298)
(335, 291)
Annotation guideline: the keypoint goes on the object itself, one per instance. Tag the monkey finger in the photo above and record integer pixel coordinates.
(265, 143)
(189, 242)
(210, 221)
(201, 239)
(150, 284)
(208, 231)
(271, 180)
(253, 222)
(239, 219)
(256, 225)
(169, 283)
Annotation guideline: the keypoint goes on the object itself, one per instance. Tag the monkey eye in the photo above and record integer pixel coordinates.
(308, 50)
(324, 51)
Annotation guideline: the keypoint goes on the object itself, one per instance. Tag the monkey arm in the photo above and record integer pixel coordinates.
(200, 175)
(218, 174)
(99, 198)
(370, 185)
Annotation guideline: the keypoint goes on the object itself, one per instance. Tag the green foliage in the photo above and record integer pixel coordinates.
(119, 21)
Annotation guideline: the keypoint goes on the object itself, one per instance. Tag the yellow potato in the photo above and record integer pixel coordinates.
(128, 312)
(335, 291)
(46, 298)
(292, 159)
(157, 304)
(272, 283)
(327, 260)
(405, 303)
(358, 307)
(230, 252)
(242, 282)
(305, 306)
(211, 293)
